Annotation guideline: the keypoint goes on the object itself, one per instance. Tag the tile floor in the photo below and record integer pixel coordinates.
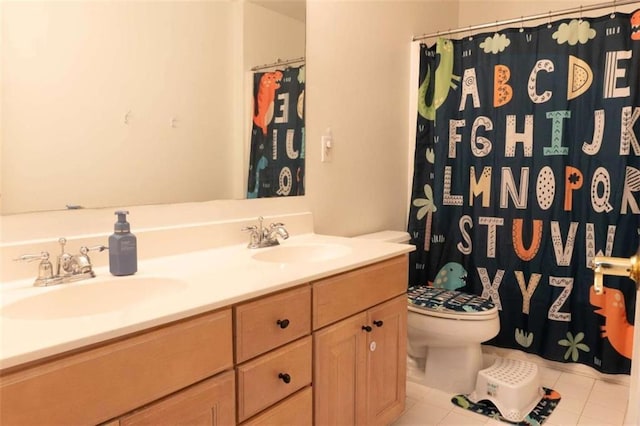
(585, 401)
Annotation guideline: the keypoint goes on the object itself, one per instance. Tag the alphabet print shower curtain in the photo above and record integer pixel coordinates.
(276, 161)
(526, 167)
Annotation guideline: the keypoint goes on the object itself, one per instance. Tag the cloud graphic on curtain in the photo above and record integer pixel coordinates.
(576, 31)
(495, 44)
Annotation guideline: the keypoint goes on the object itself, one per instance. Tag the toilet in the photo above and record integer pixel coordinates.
(445, 331)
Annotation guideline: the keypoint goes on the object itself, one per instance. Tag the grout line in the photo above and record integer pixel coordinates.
(587, 400)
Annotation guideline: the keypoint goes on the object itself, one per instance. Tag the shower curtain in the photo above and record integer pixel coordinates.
(526, 167)
(276, 162)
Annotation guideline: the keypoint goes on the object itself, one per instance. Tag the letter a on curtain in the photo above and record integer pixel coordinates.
(527, 166)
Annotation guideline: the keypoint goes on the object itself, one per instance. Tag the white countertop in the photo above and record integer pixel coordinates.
(203, 281)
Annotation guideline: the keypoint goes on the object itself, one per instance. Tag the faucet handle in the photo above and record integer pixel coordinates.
(276, 224)
(84, 249)
(45, 268)
(44, 256)
(254, 235)
(82, 262)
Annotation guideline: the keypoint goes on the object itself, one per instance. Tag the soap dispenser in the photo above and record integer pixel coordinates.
(123, 251)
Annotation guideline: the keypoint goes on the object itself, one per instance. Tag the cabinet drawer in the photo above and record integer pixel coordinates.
(340, 296)
(259, 384)
(211, 402)
(272, 321)
(297, 410)
(98, 384)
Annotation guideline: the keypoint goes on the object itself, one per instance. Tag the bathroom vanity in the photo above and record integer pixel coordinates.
(242, 341)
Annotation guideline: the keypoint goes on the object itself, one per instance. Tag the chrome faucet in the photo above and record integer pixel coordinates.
(260, 237)
(68, 268)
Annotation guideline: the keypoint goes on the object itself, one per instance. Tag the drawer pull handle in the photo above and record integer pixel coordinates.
(378, 323)
(285, 377)
(283, 323)
(367, 328)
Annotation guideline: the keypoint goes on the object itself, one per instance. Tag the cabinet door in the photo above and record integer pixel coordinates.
(296, 410)
(340, 358)
(208, 403)
(387, 361)
(97, 384)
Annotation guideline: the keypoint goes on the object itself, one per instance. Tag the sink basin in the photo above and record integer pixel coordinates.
(90, 298)
(302, 253)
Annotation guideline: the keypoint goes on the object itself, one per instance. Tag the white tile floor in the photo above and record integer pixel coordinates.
(585, 401)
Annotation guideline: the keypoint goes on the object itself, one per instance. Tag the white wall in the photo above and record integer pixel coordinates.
(358, 85)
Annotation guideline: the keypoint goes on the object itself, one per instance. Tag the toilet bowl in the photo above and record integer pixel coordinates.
(445, 331)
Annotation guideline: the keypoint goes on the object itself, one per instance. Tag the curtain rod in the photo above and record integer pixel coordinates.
(278, 62)
(522, 19)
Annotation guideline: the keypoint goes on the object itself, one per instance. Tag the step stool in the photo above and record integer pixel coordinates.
(513, 386)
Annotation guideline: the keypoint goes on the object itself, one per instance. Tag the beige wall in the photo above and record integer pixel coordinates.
(480, 12)
(358, 85)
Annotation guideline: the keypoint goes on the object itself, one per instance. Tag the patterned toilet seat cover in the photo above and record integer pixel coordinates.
(441, 299)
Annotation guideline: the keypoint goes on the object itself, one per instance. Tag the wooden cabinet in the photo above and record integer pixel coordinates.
(272, 377)
(360, 361)
(339, 372)
(387, 361)
(271, 321)
(274, 349)
(208, 403)
(342, 295)
(329, 353)
(92, 386)
(297, 410)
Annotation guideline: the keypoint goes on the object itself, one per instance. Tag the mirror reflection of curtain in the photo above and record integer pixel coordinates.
(276, 162)
(527, 165)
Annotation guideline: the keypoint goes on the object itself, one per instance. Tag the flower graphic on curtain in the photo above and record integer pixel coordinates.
(574, 346)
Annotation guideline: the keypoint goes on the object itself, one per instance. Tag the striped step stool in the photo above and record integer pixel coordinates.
(513, 386)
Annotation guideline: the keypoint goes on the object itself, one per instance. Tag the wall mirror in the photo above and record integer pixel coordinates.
(115, 103)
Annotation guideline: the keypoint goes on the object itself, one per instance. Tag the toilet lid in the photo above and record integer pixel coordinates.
(440, 300)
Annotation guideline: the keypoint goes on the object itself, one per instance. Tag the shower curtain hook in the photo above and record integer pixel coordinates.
(613, 13)
(522, 24)
(549, 23)
(580, 20)
(470, 33)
